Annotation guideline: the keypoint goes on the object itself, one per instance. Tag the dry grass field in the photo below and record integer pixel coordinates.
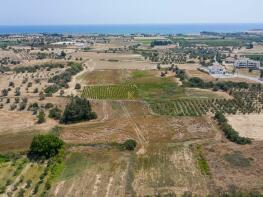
(234, 167)
(104, 77)
(248, 125)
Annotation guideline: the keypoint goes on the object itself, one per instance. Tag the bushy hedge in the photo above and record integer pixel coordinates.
(160, 43)
(229, 132)
(225, 86)
(129, 144)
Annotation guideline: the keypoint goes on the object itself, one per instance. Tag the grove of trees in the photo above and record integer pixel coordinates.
(79, 109)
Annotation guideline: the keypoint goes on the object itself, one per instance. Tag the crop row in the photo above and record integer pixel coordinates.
(198, 107)
(128, 91)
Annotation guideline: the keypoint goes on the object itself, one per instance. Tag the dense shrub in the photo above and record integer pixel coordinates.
(51, 89)
(77, 110)
(45, 146)
(160, 43)
(78, 86)
(55, 113)
(129, 144)
(49, 105)
(4, 92)
(41, 117)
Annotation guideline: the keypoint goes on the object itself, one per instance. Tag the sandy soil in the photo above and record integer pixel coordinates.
(258, 49)
(188, 66)
(248, 125)
(114, 61)
(20, 121)
(199, 74)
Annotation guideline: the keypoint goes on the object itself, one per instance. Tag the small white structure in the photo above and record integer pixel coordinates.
(216, 68)
(247, 63)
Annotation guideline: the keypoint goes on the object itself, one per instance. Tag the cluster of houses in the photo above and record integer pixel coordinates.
(218, 69)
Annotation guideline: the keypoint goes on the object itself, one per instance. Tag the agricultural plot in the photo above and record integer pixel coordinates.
(19, 177)
(170, 170)
(113, 92)
(243, 102)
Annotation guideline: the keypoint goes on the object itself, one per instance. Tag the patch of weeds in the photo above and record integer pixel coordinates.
(75, 164)
(237, 159)
(130, 176)
(201, 161)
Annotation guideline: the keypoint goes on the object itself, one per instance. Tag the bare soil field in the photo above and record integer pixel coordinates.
(199, 74)
(100, 61)
(10, 54)
(133, 120)
(234, 167)
(104, 77)
(188, 66)
(164, 170)
(248, 125)
(257, 49)
(236, 79)
(23, 121)
(205, 93)
(254, 73)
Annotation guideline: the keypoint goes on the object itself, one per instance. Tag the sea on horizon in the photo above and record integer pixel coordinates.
(130, 29)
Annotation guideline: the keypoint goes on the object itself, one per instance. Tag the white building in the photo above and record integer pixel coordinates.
(216, 69)
(247, 63)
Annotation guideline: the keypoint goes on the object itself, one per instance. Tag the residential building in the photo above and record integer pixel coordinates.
(247, 63)
(216, 69)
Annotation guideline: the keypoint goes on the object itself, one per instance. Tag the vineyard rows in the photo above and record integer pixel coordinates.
(244, 102)
(128, 91)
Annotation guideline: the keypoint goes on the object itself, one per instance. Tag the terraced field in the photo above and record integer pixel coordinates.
(113, 92)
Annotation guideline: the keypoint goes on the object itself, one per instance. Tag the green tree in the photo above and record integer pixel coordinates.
(77, 86)
(129, 144)
(63, 54)
(79, 109)
(45, 146)
(55, 113)
(41, 117)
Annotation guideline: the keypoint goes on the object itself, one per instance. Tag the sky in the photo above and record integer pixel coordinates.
(84, 12)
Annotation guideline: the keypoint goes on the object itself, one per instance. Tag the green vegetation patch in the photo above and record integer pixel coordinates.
(4, 158)
(75, 164)
(237, 159)
(128, 91)
(201, 161)
(152, 87)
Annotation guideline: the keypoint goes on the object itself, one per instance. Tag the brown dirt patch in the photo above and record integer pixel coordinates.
(248, 125)
(226, 177)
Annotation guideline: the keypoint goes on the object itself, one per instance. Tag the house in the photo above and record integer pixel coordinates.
(216, 69)
(247, 63)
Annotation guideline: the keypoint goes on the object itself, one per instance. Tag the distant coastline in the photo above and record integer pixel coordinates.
(132, 29)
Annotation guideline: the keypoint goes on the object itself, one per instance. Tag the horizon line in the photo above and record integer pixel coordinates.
(101, 24)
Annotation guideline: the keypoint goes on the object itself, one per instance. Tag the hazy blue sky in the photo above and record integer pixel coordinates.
(41, 12)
